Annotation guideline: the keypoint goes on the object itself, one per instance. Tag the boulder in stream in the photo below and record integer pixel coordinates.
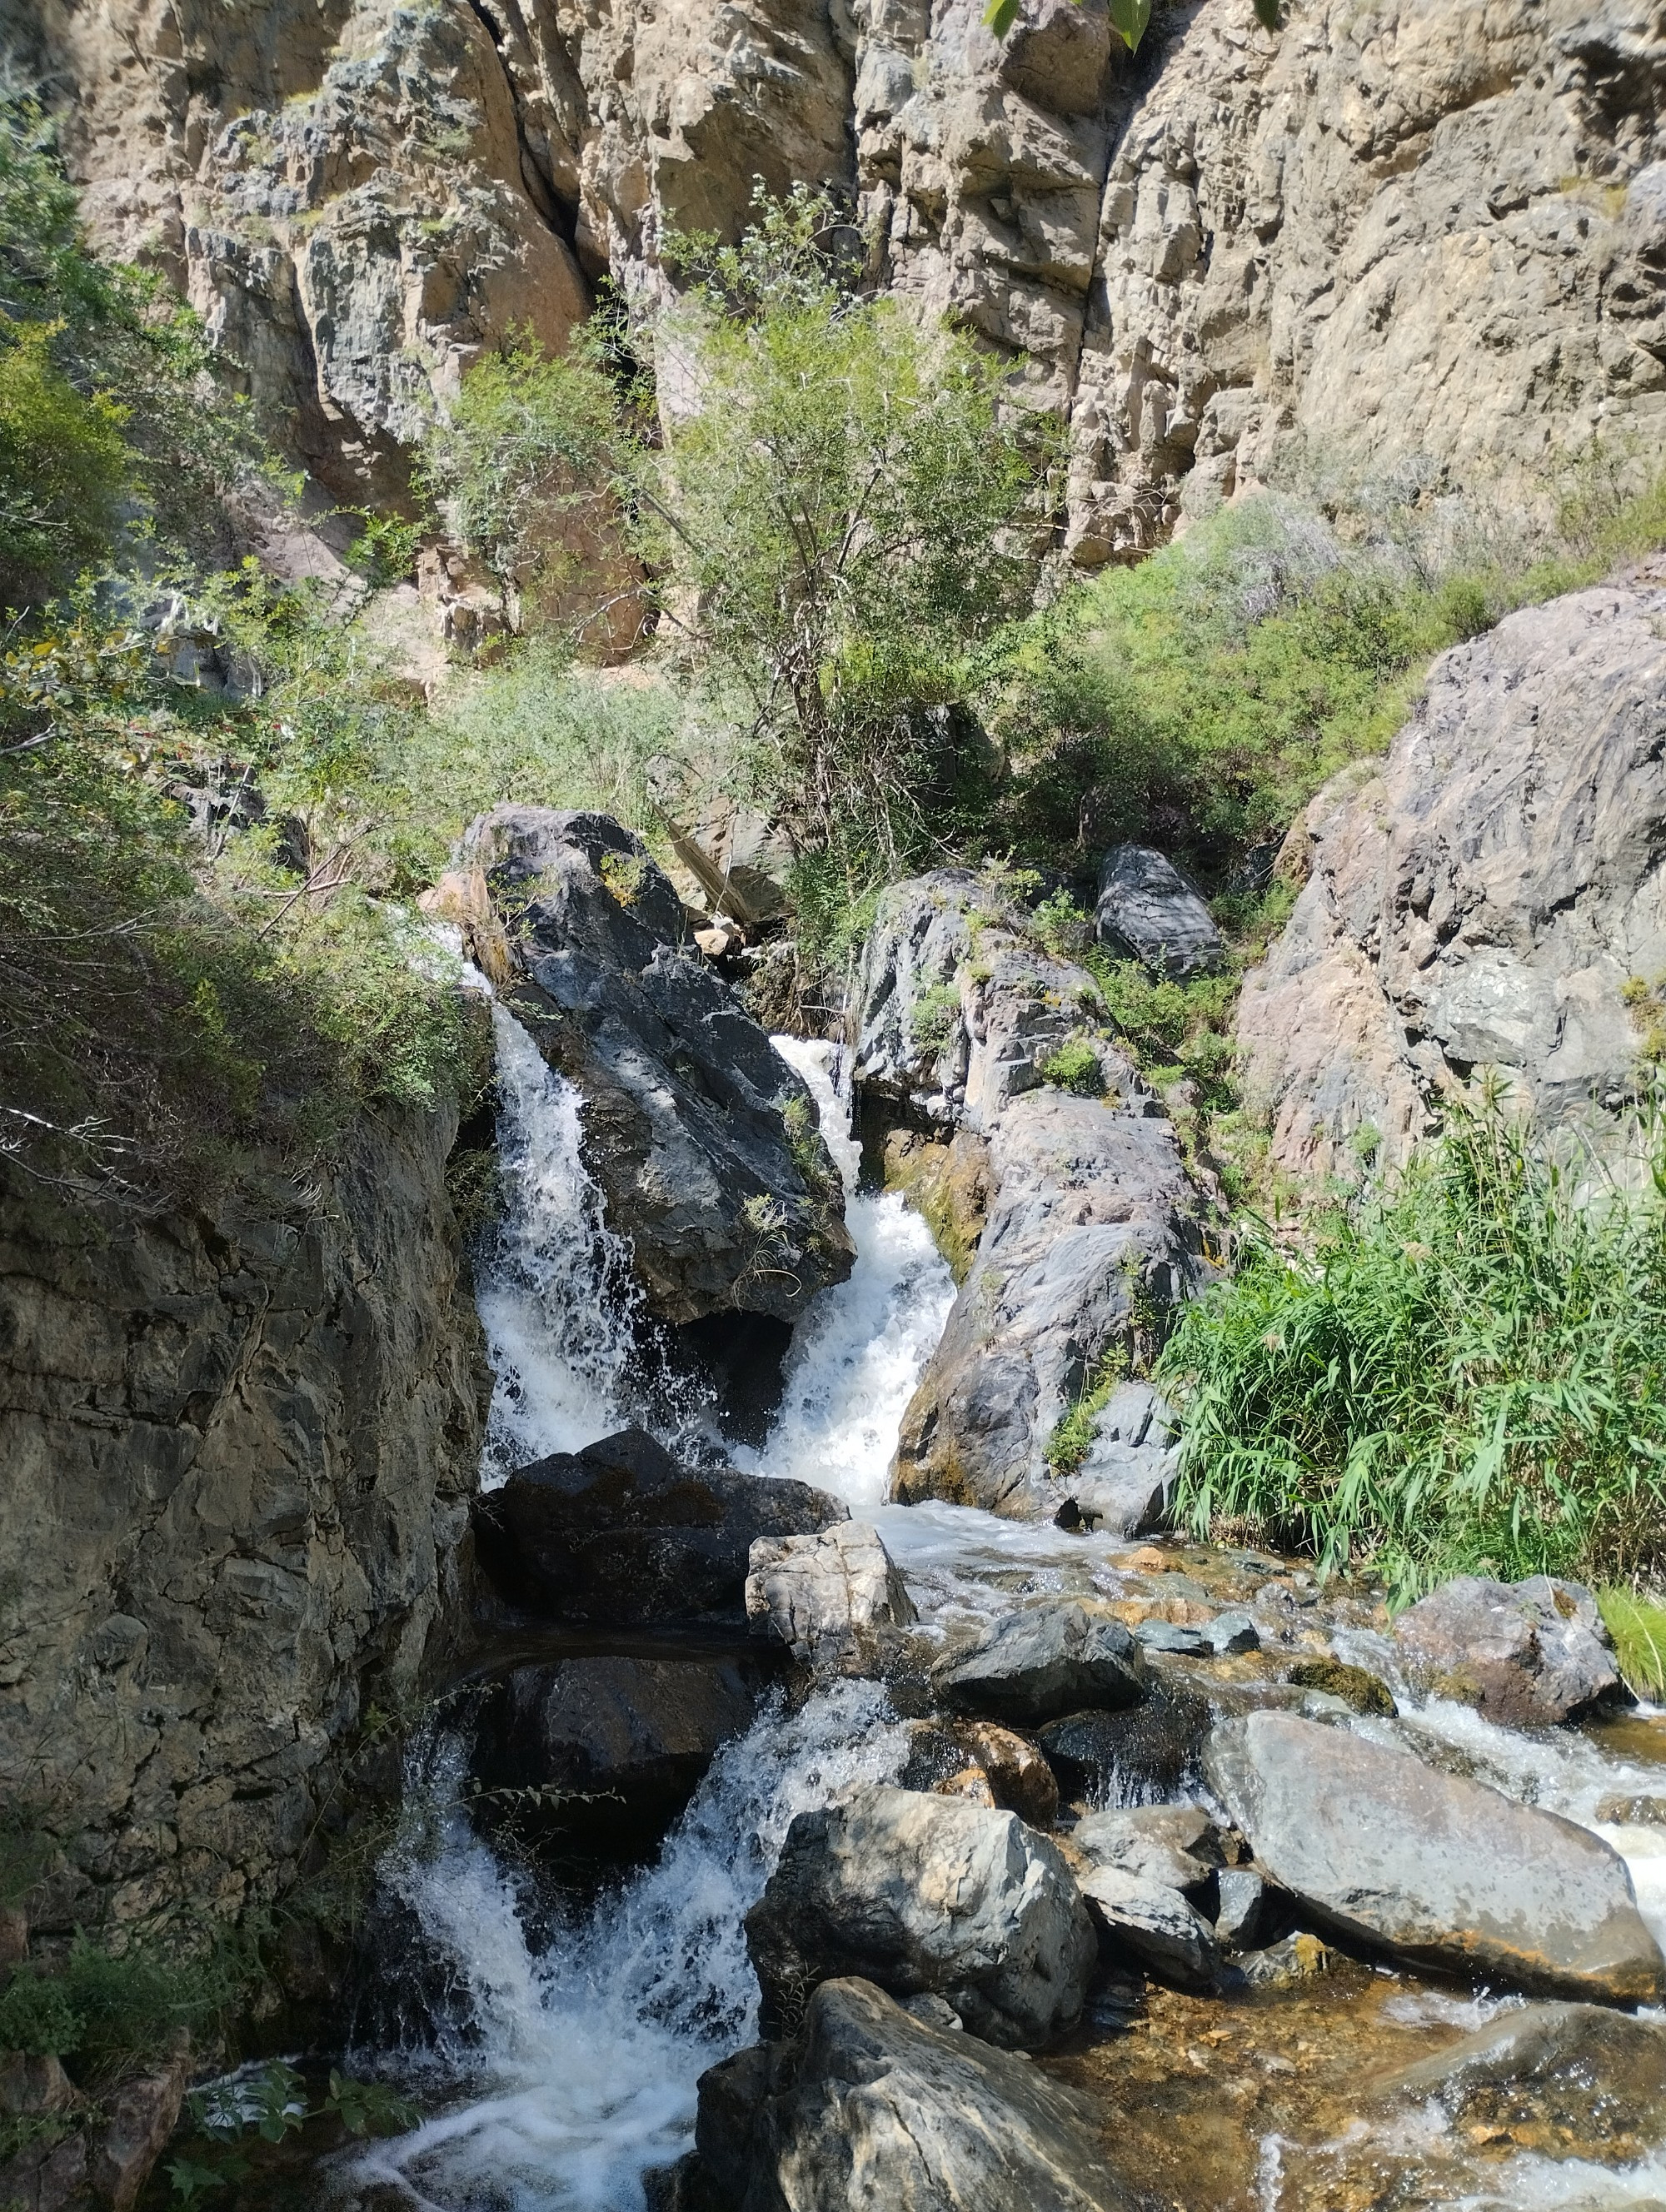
(826, 1595)
(925, 1894)
(1527, 1653)
(1442, 1872)
(607, 1747)
(1591, 2074)
(703, 1139)
(1045, 1658)
(1155, 1925)
(622, 1534)
(869, 2106)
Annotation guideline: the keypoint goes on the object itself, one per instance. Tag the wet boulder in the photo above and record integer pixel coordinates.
(1437, 1871)
(1124, 1485)
(703, 1139)
(1527, 1653)
(1045, 1658)
(1148, 911)
(1591, 2074)
(982, 1760)
(606, 1748)
(1176, 1846)
(1153, 1749)
(827, 1597)
(621, 1534)
(869, 2106)
(925, 1894)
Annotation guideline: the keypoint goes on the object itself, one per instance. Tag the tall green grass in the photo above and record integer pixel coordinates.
(1467, 1375)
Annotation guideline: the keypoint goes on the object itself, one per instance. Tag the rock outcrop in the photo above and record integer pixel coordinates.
(1092, 1217)
(1235, 247)
(1480, 899)
(871, 2105)
(925, 1894)
(236, 1454)
(1437, 1871)
(703, 1139)
(827, 1595)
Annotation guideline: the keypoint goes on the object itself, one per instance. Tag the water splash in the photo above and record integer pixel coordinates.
(858, 1353)
(584, 2060)
(556, 1295)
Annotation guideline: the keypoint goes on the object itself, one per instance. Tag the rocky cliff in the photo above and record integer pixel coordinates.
(237, 1446)
(1405, 237)
(1489, 896)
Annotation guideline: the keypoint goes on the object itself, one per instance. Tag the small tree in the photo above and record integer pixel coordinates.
(838, 516)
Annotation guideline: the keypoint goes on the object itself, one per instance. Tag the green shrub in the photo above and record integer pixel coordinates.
(37, 2016)
(106, 2010)
(933, 1014)
(63, 467)
(1075, 1067)
(1469, 1374)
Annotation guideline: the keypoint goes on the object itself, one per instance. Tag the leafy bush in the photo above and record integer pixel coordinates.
(63, 467)
(105, 2010)
(1075, 1067)
(1468, 1376)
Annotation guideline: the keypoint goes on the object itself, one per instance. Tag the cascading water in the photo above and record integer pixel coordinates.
(582, 2060)
(557, 1296)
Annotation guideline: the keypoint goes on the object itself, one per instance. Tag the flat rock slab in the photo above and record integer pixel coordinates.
(621, 1534)
(925, 1894)
(1045, 1658)
(1440, 1871)
(872, 2107)
(1168, 1936)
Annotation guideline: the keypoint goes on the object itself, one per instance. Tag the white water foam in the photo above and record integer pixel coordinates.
(858, 1353)
(584, 2061)
(556, 1295)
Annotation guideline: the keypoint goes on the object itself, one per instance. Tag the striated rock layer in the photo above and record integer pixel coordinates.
(1413, 235)
(236, 1451)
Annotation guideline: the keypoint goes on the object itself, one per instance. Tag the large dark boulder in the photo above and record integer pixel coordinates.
(1525, 1654)
(1046, 1657)
(925, 1894)
(1150, 1750)
(703, 1139)
(605, 1749)
(1148, 911)
(1437, 1871)
(871, 2106)
(621, 1534)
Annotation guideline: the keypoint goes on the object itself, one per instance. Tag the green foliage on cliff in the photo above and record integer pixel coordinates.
(1467, 1375)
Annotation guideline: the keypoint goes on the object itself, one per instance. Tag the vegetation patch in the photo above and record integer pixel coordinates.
(1463, 1375)
(1075, 1067)
(1638, 1627)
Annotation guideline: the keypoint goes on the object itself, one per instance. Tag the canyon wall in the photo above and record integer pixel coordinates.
(237, 1446)
(1410, 238)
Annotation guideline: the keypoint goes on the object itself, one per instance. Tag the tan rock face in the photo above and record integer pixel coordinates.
(1408, 236)
(236, 1451)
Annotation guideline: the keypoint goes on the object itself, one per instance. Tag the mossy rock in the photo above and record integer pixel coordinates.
(1356, 1687)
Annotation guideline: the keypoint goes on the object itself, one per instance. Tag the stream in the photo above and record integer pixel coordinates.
(563, 2058)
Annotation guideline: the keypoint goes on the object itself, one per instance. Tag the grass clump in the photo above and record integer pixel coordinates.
(1073, 1438)
(1638, 1627)
(104, 2009)
(1469, 1374)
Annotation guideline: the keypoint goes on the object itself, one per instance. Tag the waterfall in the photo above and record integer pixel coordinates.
(557, 1296)
(858, 1353)
(583, 2060)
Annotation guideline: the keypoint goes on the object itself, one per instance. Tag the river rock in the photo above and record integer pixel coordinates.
(825, 1595)
(621, 1534)
(1440, 1871)
(1155, 1924)
(869, 2106)
(1152, 1750)
(1589, 2073)
(623, 1738)
(1356, 1689)
(1178, 1846)
(1047, 1657)
(979, 1759)
(924, 1893)
(1479, 899)
(703, 1140)
(1148, 911)
(1524, 1654)
(1250, 1910)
